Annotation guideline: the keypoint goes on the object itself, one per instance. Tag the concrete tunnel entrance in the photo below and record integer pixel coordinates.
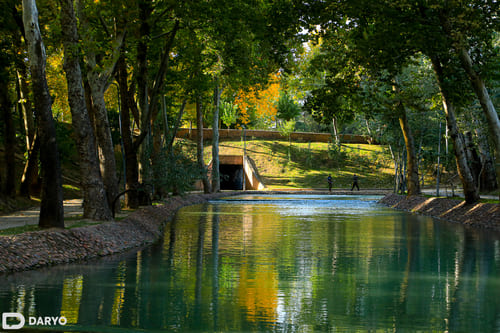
(236, 173)
(231, 177)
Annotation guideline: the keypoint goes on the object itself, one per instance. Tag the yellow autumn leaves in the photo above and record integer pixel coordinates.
(261, 101)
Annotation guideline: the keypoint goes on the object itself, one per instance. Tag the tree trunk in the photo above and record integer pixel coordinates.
(158, 159)
(488, 176)
(413, 181)
(215, 141)
(148, 98)
(131, 163)
(106, 149)
(95, 205)
(9, 186)
(145, 9)
(335, 131)
(473, 158)
(485, 101)
(51, 206)
(177, 125)
(29, 179)
(25, 104)
(471, 193)
(199, 146)
(100, 68)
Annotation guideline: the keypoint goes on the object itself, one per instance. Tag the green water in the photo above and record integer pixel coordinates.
(284, 263)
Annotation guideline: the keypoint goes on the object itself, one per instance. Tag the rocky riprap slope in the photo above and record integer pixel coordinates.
(57, 246)
(482, 215)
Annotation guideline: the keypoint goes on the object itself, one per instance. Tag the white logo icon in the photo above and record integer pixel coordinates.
(12, 315)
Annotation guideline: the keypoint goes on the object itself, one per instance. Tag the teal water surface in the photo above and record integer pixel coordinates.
(284, 263)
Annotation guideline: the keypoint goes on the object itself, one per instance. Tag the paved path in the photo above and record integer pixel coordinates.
(29, 216)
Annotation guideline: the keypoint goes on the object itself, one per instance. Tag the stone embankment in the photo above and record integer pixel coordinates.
(57, 246)
(480, 215)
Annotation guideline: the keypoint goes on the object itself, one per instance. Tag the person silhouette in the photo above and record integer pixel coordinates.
(355, 182)
(330, 183)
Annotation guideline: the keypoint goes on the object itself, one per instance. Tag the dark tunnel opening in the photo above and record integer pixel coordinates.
(231, 177)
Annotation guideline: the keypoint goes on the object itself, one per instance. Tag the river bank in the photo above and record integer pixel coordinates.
(36, 249)
(480, 215)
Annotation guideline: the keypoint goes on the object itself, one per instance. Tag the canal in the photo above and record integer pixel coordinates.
(284, 263)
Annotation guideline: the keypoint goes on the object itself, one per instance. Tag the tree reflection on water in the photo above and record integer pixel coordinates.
(295, 265)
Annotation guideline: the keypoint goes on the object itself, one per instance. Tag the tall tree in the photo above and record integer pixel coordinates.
(51, 207)
(215, 140)
(478, 24)
(6, 107)
(7, 33)
(207, 188)
(100, 66)
(95, 203)
(132, 193)
(411, 153)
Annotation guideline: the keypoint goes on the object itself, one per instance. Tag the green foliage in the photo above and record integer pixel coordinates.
(228, 113)
(177, 171)
(288, 109)
(286, 128)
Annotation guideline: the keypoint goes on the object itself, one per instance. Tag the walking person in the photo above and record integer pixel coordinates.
(355, 182)
(330, 183)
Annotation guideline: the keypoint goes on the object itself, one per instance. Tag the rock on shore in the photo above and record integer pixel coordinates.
(483, 215)
(57, 246)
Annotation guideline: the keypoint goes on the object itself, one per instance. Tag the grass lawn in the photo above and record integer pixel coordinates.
(307, 165)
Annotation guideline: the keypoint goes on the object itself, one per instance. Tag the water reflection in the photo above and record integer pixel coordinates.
(263, 264)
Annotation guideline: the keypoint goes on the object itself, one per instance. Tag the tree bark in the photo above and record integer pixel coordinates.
(472, 158)
(411, 156)
(471, 193)
(25, 104)
(106, 151)
(199, 144)
(148, 96)
(29, 179)
(488, 176)
(478, 86)
(485, 101)
(215, 141)
(99, 76)
(145, 10)
(9, 186)
(335, 131)
(51, 206)
(131, 163)
(95, 205)
(158, 159)
(412, 171)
